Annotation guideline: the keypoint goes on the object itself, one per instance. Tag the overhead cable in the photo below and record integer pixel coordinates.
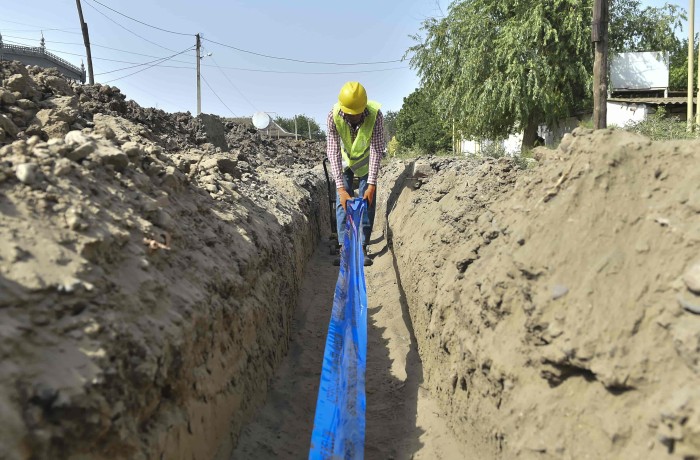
(240, 69)
(299, 60)
(233, 85)
(217, 96)
(150, 66)
(126, 28)
(141, 22)
(157, 61)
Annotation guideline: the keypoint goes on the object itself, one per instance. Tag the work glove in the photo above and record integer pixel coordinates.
(344, 197)
(369, 193)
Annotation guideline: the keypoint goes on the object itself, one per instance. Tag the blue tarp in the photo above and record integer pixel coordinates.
(339, 425)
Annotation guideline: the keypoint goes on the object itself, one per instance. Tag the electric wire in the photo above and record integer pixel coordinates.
(141, 22)
(233, 85)
(127, 29)
(136, 64)
(157, 61)
(241, 69)
(91, 44)
(217, 96)
(150, 66)
(300, 60)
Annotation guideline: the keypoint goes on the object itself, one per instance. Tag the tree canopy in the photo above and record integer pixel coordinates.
(633, 28)
(303, 122)
(500, 66)
(496, 66)
(419, 125)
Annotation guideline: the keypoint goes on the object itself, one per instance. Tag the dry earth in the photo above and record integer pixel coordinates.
(556, 310)
(151, 284)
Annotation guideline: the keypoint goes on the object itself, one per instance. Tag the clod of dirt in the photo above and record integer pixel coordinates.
(545, 302)
(144, 304)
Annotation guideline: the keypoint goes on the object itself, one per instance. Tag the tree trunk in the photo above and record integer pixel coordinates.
(529, 135)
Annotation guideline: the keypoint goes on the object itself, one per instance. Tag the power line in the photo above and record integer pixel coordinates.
(217, 96)
(157, 61)
(95, 45)
(141, 22)
(241, 69)
(40, 30)
(127, 29)
(300, 60)
(234, 86)
(109, 60)
(150, 66)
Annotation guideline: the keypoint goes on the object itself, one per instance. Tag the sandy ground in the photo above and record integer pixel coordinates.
(402, 420)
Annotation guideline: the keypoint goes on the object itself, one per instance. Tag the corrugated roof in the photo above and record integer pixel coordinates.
(652, 100)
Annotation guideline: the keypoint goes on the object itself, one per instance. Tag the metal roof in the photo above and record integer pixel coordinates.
(652, 100)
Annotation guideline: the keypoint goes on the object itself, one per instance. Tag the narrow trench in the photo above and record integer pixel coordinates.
(402, 421)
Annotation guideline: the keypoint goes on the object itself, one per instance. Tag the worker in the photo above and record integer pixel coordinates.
(355, 144)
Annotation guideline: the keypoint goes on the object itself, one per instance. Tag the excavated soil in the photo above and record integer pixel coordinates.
(557, 310)
(148, 279)
(165, 291)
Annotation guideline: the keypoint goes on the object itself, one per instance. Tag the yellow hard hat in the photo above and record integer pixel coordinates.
(352, 98)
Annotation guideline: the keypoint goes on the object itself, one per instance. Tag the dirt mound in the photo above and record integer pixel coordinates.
(556, 309)
(147, 278)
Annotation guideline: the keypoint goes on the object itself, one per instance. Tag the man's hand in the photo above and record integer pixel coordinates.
(344, 197)
(369, 193)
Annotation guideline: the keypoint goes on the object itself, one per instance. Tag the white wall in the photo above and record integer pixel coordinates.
(644, 70)
(622, 113)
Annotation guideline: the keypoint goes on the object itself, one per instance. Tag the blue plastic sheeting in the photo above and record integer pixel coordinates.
(339, 425)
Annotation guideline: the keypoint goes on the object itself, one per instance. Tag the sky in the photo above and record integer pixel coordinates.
(237, 82)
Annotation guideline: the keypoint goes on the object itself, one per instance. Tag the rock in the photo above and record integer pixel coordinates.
(105, 131)
(422, 169)
(76, 138)
(691, 278)
(132, 149)
(58, 85)
(8, 126)
(58, 146)
(3, 135)
(62, 167)
(108, 155)
(559, 291)
(26, 173)
(26, 104)
(18, 83)
(6, 97)
(82, 151)
(688, 306)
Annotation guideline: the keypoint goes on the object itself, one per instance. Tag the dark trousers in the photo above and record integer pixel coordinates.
(368, 217)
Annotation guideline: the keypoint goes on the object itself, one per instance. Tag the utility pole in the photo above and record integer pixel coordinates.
(199, 81)
(691, 67)
(308, 123)
(599, 36)
(295, 128)
(86, 39)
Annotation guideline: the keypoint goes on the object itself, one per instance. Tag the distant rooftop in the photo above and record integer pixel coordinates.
(37, 55)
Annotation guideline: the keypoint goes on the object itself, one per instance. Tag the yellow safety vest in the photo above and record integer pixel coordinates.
(356, 154)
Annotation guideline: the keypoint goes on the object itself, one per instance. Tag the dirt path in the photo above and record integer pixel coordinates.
(402, 421)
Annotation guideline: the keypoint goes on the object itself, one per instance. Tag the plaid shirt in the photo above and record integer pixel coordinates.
(376, 148)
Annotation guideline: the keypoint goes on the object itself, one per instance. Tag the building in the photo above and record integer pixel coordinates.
(39, 56)
(639, 85)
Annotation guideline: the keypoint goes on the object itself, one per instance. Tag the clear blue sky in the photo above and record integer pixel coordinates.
(312, 30)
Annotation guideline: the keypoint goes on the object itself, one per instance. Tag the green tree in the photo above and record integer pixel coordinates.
(303, 123)
(498, 66)
(390, 124)
(418, 124)
(649, 29)
(678, 78)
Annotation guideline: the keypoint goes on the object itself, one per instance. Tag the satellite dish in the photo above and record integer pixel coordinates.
(261, 120)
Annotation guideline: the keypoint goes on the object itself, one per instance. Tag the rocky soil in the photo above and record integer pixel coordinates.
(150, 284)
(557, 310)
(147, 278)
